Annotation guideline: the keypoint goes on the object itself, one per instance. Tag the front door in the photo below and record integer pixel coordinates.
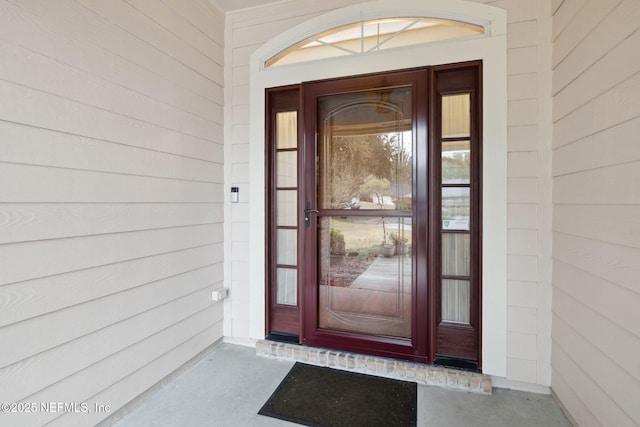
(387, 192)
(363, 233)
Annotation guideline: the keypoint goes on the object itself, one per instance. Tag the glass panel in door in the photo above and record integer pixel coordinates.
(364, 191)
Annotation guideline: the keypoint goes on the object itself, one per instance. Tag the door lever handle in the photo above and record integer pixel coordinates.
(307, 211)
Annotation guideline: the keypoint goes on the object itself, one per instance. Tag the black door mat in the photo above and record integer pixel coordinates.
(324, 397)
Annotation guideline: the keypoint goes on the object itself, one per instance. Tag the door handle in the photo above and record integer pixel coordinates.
(307, 211)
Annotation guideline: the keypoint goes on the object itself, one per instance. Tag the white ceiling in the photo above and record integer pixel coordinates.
(230, 5)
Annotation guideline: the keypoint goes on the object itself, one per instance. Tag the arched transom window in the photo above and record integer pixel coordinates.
(373, 35)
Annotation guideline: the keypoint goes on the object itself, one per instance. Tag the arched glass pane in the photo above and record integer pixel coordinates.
(373, 35)
(365, 150)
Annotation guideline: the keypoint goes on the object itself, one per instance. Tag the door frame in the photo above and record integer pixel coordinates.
(491, 49)
(432, 338)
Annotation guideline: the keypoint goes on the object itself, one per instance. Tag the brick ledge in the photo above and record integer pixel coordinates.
(374, 365)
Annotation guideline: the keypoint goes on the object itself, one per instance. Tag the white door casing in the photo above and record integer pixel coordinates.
(491, 48)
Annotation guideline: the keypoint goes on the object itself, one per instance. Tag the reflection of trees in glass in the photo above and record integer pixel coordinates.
(355, 157)
(377, 188)
(401, 159)
(455, 166)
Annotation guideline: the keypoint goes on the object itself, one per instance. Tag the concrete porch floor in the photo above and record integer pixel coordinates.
(231, 383)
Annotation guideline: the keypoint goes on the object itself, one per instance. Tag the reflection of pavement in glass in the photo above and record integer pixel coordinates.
(396, 226)
(390, 222)
(383, 275)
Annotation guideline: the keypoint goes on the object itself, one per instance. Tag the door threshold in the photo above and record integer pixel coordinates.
(430, 375)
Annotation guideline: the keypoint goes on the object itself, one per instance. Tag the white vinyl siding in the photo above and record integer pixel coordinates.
(111, 202)
(596, 243)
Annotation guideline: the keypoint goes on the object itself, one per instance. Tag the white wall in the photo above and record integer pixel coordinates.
(596, 239)
(527, 294)
(111, 198)
(529, 191)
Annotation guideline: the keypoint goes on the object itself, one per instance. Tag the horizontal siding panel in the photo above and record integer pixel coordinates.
(66, 255)
(522, 86)
(155, 371)
(612, 108)
(240, 75)
(240, 212)
(286, 9)
(522, 242)
(555, 5)
(30, 69)
(55, 185)
(522, 112)
(579, 412)
(133, 384)
(43, 110)
(617, 304)
(610, 147)
(144, 28)
(523, 138)
(609, 185)
(35, 146)
(564, 14)
(240, 137)
(603, 407)
(265, 31)
(28, 299)
(602, 350)
(522, 216)
(89, 382)
(77, 22)
(240, 95)
(32, 221)
(522, 34)
(600, 77)
(22, 31)
(202, 15)
(522, 267)
(240, 114)
(617, 26)
(181, 28)
(617, 264)
(608, 223)
(130, 317)
(522, 190)
(521, 346)
(522, 60)
(582, 23)
(111, 227)
(522, 294)
(240, 56)
(522, 320)
(239, 152)
(517, 10)
(522, 164)
(521, 370)
(596, 241)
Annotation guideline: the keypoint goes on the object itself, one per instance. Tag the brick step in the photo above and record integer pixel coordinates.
(374, 365)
